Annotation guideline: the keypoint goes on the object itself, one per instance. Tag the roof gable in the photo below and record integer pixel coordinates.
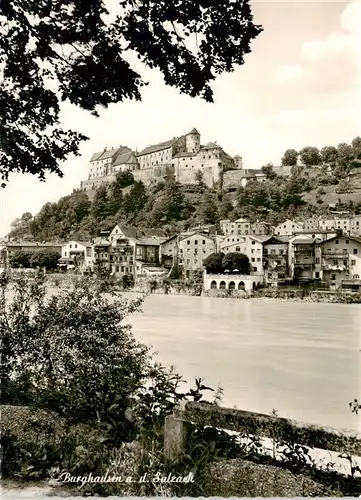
(211, 145)
(158, 147)
(193, 131)
(95, 156)
(125, 157)
(276, 240)
(108, 154)
(342, 236)
(199, 234)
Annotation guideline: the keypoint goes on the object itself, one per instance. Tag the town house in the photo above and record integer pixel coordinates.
(275, 259)
(101, 253)
(341, 260)
(288, 228)
(193, 249)
(169, 251)
(77, 255)
(305, 259)
(248, 245)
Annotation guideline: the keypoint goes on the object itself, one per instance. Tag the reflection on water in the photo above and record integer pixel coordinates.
(301, 359)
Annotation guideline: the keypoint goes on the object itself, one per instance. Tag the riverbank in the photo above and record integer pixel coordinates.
(163, 286)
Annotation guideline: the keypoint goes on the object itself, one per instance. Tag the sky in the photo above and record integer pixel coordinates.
(300, 86)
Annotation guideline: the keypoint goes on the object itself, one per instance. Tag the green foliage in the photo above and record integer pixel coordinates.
(135, 200)
(127, 281)
(329, 154)
(208, 210)
(89, 366)
(278, 195)
(236, 261)
(214, 263)
(20, 227)
(268, 170)
(290, 158)
(345, 154)
(84, 52)
(20, 259)
(356, 147)
(310, 156)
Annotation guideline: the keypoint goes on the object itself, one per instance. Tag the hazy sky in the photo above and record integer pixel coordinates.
(301, 85)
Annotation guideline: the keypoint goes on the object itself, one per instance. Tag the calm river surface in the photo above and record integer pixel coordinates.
(301, 359)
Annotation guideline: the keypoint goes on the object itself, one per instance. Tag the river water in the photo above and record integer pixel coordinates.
(302, 359)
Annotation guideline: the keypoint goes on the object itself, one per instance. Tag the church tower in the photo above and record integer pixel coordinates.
(193, 141)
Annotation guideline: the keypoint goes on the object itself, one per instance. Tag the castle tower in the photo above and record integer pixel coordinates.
(193, 141)
(238, 162)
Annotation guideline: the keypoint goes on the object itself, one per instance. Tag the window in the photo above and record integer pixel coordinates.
(333, 277)
(317, 260)
(336, 242)
(258, 259)
(253, 242)
(253, 259)
(355, 251)
(353, 262)
(347, 242)
(203, 242)
(195, 251)
(254, 269)
(188, 261)
(238, 249)
(252, 251)
(188, 242)
(335, 262)
(317, 275)
(75, 246)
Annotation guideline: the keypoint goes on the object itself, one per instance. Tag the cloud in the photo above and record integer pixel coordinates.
(331, 65)
(288, 74)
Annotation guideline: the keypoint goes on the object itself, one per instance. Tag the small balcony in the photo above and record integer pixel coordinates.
(304, 265)
(335, 255)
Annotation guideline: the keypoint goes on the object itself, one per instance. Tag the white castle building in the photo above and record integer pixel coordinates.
(180, 158)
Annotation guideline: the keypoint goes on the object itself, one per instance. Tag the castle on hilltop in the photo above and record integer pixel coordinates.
(179, 158)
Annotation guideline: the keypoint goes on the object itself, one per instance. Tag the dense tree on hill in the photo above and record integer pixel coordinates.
(268, 171)
(84, 52)
(208, 210)
(100, 207)
(310, 155)
(20, 227)
(329, 154)
(290, 158)
(135, 200)
(345, 154)
(356, 147)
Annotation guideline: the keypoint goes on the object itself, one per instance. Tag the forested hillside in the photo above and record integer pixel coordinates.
(172, 207)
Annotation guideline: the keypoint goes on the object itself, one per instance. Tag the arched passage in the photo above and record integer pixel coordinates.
(231, 286)
(222, 285)
(241, 285)
(214, 285)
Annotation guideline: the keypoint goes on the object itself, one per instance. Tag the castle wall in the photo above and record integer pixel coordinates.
(232, 178)
(152, 175)
(93, 184)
